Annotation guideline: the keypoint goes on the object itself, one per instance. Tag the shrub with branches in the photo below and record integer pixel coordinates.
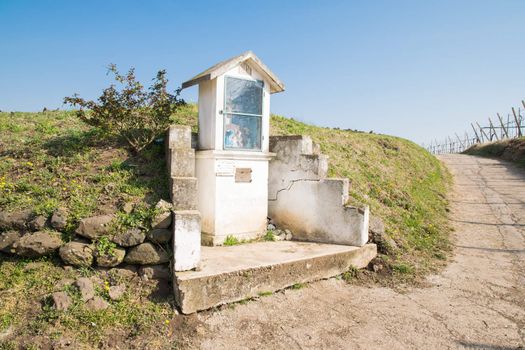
(136, 114)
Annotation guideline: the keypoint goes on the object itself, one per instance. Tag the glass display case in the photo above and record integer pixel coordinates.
(242, 113)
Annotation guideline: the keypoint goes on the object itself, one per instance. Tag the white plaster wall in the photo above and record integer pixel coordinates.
(242, 207)
(314, 211)
(207, 114)
(211, 103)
(227, 207)
(302, 200)
(295, 161)
(206, 198)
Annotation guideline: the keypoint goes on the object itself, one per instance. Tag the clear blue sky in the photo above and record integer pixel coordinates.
(416, 69)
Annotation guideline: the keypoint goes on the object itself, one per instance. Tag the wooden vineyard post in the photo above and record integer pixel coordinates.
(518, 126)
(493, 131)
(478, 140)
(503, 126)
(461, 143)
(482, 132)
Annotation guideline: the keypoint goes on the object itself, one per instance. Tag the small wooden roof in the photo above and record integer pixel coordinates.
(220, 68)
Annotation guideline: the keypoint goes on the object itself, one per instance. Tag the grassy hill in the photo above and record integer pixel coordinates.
(51, 159)
(403, 184)
(511, 150)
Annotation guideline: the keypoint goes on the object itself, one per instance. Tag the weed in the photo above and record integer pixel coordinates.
(5, 321)
(351, 274)
(298, 286)
(105, 246)
(402, 268)
(85, 271)
(8, 345)
(264, 293)
(231, 240)
(269, 236)
(140, 217)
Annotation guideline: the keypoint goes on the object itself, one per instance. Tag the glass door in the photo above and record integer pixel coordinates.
(242, 113)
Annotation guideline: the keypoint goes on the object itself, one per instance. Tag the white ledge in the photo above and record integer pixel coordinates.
(247, 155)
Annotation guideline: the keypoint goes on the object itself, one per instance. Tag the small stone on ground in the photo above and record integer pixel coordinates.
(146, 254)
(85, 287)
(116, 292)
(122, 273)
(8, 240)
(163, 218)
(61, 301)
(38, 223)
(159, 272)
(96, 304)
(94, 227)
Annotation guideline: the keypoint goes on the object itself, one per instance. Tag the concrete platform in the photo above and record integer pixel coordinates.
(229, 274)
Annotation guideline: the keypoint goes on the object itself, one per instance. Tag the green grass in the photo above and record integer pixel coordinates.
(297, 286)
(24, 305)
(403, 184)
(52, 159)
(351, 274)
(231, 240)
(269, 236)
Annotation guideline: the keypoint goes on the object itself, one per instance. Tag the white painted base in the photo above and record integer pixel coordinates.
(186, 239)
(229, 207)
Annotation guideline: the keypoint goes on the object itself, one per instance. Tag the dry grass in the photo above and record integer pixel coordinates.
(512, 150)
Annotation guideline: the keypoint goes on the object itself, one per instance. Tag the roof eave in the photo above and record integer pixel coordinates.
(276, 85)
(195, 81)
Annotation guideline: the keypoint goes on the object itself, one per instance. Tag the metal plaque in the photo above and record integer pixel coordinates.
(243, 175)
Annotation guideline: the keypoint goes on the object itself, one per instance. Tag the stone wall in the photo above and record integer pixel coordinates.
(180, 160)
(302, 199)
(99, 240)
(95, 241)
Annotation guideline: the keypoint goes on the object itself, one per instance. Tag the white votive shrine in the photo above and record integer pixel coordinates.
(232, 150)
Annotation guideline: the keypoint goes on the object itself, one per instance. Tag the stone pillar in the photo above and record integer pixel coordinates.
(183, 193)
(186, 239)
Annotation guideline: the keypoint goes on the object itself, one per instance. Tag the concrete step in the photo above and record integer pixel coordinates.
(234, 273)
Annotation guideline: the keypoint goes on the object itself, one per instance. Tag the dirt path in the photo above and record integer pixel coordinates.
(477, 302)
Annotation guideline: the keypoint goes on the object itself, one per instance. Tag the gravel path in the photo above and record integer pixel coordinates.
(477, 302)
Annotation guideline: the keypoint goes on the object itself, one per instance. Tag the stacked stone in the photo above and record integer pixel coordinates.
(183, 190)
(27, 234)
